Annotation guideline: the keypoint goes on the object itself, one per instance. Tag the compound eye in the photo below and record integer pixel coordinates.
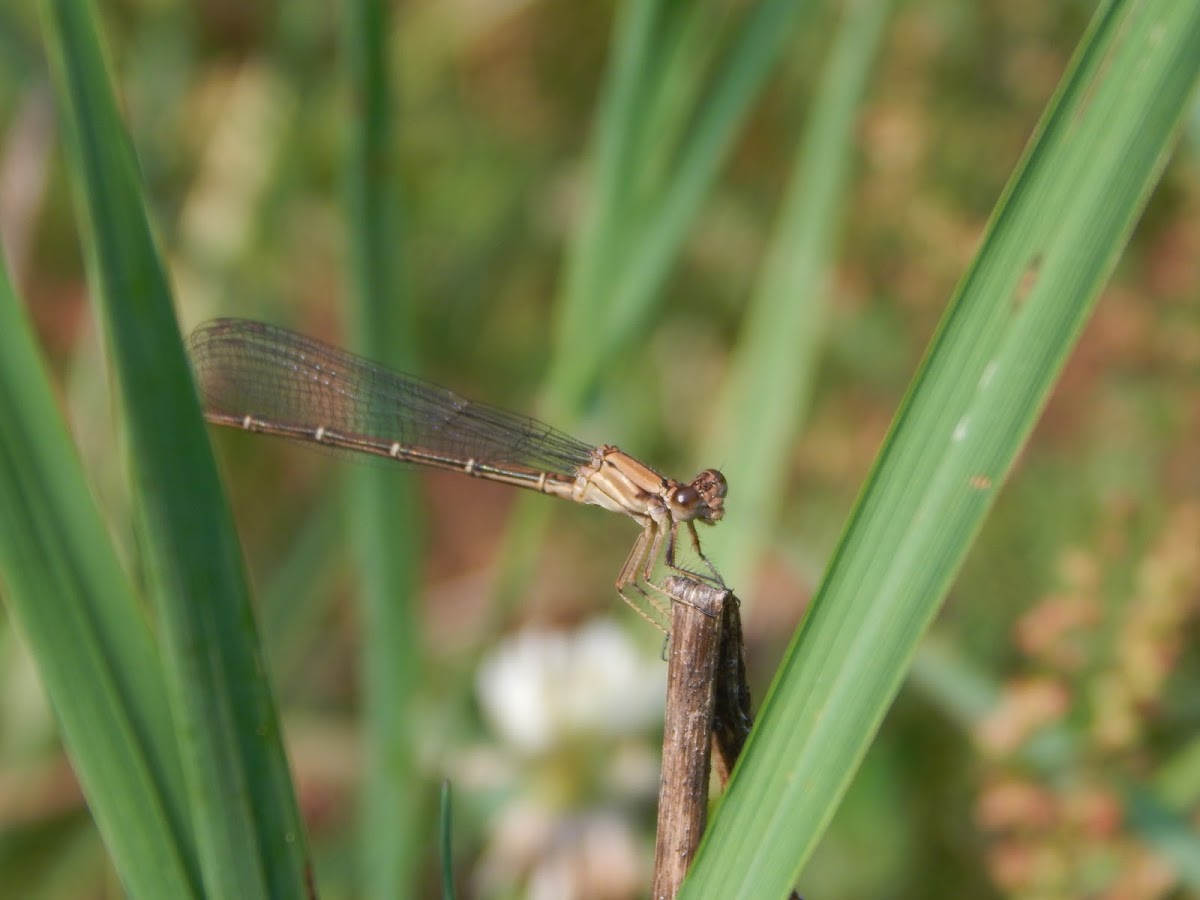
(686, 498)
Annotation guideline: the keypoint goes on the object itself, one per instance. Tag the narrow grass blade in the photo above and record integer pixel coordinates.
(250, 839)
(770, 380)
(1052, 243)
(294, 603)
(687, 47)
(626, 253)
(446, 841)
(386, 545)
(614, 172)
(67, 593)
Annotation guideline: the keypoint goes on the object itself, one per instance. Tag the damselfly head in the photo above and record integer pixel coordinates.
(703, 499)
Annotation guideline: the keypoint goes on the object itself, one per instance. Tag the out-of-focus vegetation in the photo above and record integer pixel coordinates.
(1056, 691)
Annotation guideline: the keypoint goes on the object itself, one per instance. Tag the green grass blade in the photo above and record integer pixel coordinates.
(689, 43)
(1017, 314)
(65, 589)
(385, 531)
(250, 839)
(630, 252)
(721, 111)
(785, 322)
(595, 248)
(446, 841)
(294, 604)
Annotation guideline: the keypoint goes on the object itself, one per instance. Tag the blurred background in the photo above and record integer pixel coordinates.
(1063, 676)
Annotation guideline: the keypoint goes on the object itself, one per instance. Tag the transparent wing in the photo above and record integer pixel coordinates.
(246, 368)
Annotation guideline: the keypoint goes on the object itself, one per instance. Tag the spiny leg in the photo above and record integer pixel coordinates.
(700, 553)
(645, 615)
(651, 558)
(630, 571)
(714, 579)
(669, 560)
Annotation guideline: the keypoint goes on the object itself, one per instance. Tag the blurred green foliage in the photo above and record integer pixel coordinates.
(1062, 676)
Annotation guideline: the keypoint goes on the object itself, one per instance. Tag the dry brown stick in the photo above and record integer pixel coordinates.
(696, 617)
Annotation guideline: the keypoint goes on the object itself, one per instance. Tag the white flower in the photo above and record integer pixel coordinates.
(540, 688)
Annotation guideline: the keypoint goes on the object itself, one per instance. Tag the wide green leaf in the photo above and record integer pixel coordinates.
(78, 612)
(246, 825)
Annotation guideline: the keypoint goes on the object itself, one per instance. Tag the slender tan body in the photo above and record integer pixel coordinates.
(611, 479)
